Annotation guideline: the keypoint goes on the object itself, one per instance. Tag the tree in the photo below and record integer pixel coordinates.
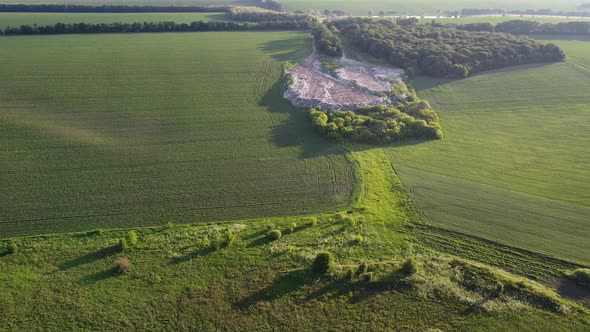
(323, 263)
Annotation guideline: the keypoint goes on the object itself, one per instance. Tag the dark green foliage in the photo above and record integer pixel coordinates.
(443, 51)
(274, 235)
(323, 263)
(252, 14)
(379, 124)
(123, 245)
(326, 41)
(522, 27)
(142, 27)
(581, 277)
(69, 8)
(12, 248)
(409, 267)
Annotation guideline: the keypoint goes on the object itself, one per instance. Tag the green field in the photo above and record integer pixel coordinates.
(498, 19)
(18, 19)
(142, 129)
(353, 6)
(513, 165)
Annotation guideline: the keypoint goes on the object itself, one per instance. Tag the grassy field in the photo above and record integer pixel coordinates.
(143, 129)
(513, 165)
(18, 19)
(177, 282)
(498, 19)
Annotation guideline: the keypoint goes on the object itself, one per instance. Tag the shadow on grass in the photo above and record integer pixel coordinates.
(98, 276)
(569, 289)
(262, 240)
(283, 285)
(90, 258)
(195, 254)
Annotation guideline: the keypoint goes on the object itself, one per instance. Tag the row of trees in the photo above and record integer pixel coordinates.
(109, 9)
(253, 14)
(531, 27)
(326, 41)
(378, 124)
(488, 11)
(523, 27)
(67, 28)
(443, 51)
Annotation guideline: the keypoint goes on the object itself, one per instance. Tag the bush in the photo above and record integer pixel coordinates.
(98, 231)
(313, 221)
(123, 245)
(409, 267)
(228, 238)
(293, 227)
(323, 263)
(358, 239)
(12, 248)
(362, 268)
(131, 238)
(581, 277)
(122, 265)
(274, 235)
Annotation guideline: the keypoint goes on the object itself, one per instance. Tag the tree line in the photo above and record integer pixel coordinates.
(378, 124)
(81, 28)
(253, 14)
(523, 27)
(443, 51)
(109, 9)
(50, 8)
(489, 11)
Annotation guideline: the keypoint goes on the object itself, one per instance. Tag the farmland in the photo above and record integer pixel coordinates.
(17, 19)
(512, 165)
(131, 133)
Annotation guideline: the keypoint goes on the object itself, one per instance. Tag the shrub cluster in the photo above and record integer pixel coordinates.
(122, 265)
(323, 263)
(581, 277)
(443, 51)
(378, 124)
(274, 235)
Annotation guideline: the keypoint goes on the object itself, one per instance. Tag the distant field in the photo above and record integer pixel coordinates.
(514, 164)
(143, 129)
(353, 6)
(498, 19)
(18, 19)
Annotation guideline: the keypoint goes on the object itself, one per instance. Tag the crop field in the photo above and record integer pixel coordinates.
(513, 166)
(499, 19)
(143, 129)
(18, 19)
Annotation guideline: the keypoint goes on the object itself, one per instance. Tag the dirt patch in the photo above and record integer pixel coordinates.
(355, 84)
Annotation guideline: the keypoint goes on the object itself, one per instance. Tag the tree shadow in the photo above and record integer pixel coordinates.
(287, 48)
(260, 241)
(569, 289)
(283, 285)
(195, 254)
(90, 258)
(98, 276)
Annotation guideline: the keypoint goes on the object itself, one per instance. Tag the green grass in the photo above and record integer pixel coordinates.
(18, 19)
(141, 129)
(512, 165)
(65, 282)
